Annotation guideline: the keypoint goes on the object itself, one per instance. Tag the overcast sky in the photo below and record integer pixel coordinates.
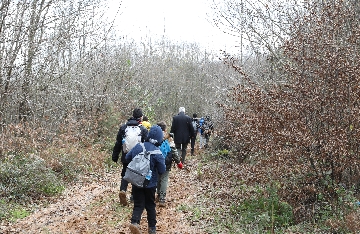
(178, 21)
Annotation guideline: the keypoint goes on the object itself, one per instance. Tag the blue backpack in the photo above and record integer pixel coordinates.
(166, 152)
(201, 123)
(165, 148)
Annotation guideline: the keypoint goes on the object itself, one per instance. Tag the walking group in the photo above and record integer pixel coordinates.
(148, 153)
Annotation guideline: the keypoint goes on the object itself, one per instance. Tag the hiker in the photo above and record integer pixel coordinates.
(145, 122)
(183, 131)
(202, 132)
(144, 198)
(193, 139)
(171, 155)
(135, 120)
(207, 128)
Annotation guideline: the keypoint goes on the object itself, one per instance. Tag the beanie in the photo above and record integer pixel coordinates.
(155, 135)
(182, 109)
(137, 113)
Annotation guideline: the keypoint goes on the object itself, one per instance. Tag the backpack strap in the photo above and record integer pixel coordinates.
(157, 151)
(143, 146)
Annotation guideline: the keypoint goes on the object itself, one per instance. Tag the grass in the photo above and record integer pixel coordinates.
(18, 214)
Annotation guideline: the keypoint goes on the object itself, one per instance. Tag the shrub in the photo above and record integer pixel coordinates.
(27, 177)
(307, 127)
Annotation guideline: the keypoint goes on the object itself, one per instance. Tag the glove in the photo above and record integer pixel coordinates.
(180, 165)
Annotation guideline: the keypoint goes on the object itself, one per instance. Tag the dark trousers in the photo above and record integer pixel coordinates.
(181, 148)
(193, 139)
(144, 198)
(123, 183)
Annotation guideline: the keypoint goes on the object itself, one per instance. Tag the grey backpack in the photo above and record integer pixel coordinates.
(138, 171)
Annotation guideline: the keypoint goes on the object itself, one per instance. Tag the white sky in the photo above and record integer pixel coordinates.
(183, 21)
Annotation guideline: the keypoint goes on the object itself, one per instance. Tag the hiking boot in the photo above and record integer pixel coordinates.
(152, 230)
(134, 228)
(122, 197)
(162, 202)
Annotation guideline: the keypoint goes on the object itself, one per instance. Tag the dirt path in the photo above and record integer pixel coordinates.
(94, 208)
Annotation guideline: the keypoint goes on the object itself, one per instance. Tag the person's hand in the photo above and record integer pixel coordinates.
(180, 165)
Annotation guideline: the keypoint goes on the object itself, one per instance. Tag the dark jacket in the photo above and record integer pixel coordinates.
(121, 134)
(182, 128)
(207, 128)
(157, 161)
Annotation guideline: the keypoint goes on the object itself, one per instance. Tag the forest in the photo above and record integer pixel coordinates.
(284, 156)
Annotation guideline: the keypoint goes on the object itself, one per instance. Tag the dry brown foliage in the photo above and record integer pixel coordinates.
(304, 131)
(70, 146)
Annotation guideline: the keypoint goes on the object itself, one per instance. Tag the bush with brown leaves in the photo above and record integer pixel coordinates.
(305, 130)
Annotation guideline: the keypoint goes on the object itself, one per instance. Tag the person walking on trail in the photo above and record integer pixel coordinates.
(195, 123)
(135, 123)
(207, 128)
(183, 130)
(170, 154)
(144, 198)
(202, 133)
(145, 122)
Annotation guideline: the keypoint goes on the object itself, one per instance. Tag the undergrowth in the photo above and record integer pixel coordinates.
(44, 169)
(231, 201)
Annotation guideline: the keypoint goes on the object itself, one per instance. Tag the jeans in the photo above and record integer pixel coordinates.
(144, 198)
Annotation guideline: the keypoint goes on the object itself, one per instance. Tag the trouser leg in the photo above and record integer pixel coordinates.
(162, 186)
(183, 151)
(150, 206)
(178, 148)
(181, 148)
(123, 184)
(139, 204)
(193, 139)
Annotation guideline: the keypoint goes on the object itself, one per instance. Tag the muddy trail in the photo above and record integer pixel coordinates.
(93, 207)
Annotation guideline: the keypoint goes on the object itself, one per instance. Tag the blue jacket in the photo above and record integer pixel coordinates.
(157, 161)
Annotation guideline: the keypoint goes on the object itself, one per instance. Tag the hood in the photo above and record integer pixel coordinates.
(155, 135)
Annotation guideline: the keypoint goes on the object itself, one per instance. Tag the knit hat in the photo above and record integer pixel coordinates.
(137, 113)
(155, 135)
(182, 109)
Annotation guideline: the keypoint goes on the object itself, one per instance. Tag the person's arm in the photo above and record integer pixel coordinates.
(118, 146)
(144, 133)
(191, 128)
(175, 155)
(172, 130)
